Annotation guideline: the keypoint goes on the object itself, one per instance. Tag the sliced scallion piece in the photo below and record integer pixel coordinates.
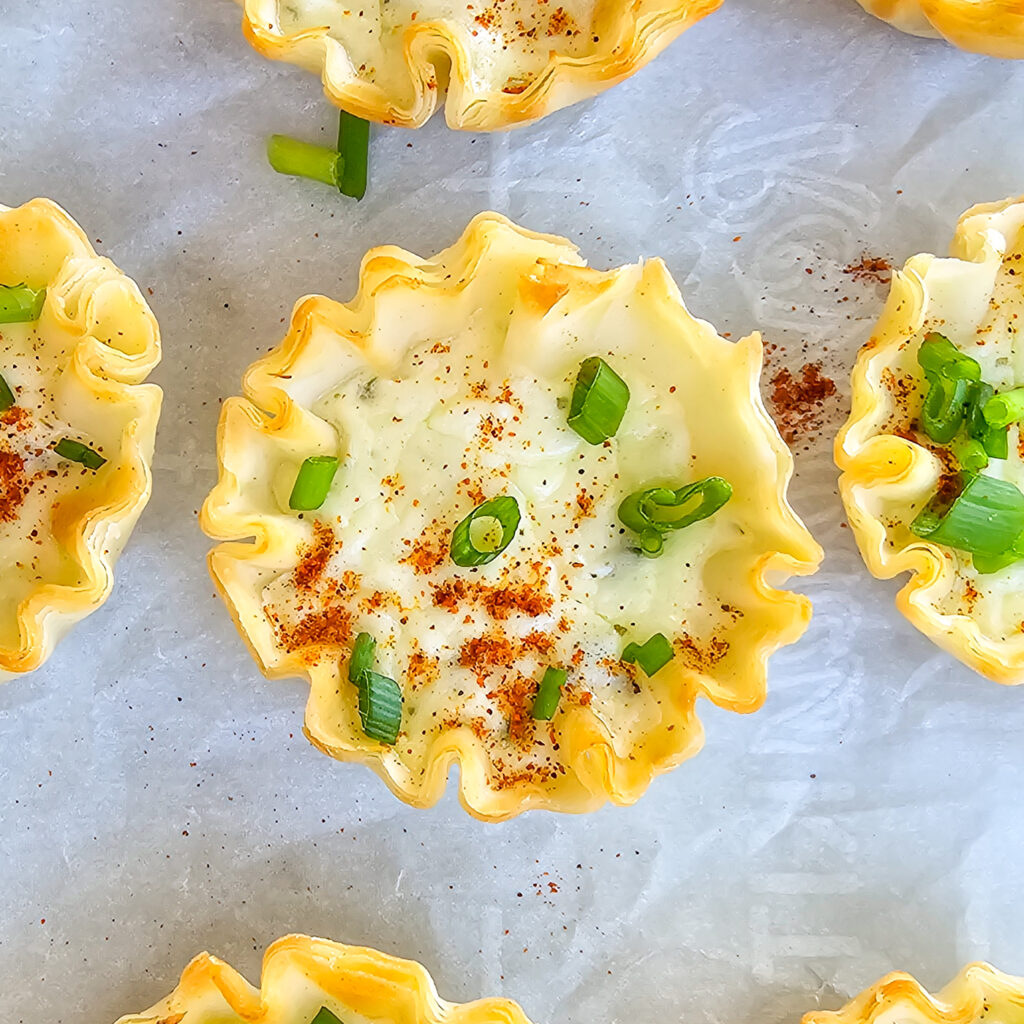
(651, 656)
(944, 406)
(938, 355)
(986, 518)
(987, 564)
(1004, 409)
(380, 707)
(325, 1017)
(599, 400)
(354, 149)
(974, 417)
(970, 453)
(545, 704)
(996, 441)
(305, 160)
(75, 451)
(485, 532)
(655, 511)
(20, 304)
(7, 398)
(361, 658)
(313, 483)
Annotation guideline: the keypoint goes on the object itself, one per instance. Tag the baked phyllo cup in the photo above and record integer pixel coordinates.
(932, 457)
(314, 981)
(507, 511)
(76, 427)
(979, 994)
(492, 65)
(994, 27)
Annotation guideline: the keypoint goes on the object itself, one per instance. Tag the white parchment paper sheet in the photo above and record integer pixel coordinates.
(157, 797)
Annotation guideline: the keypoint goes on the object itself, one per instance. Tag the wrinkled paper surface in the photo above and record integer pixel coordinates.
(157, 797)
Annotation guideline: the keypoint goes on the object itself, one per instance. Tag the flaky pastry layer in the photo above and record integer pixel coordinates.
(978, 993)
(994, 27)
(94, 344)
(533, 292)
(888, 474)
(493, 64)
(301, 974)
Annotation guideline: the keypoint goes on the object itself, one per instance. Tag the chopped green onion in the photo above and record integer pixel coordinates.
(651, 656)
(1002, 410)
(987, 564)
(485, 532)
(599, 401)
(75, 451)
(304, 159)
(970, 453)
(361, 658)
(974, 417)
(996, 441)
(325, 1017)
(20, 304)
(7, 398)
(313, 483)
(380, 707)
(986, 518)
(354, 149)
(939, 356)
(545, 704)
(655, 511)
(943, 409)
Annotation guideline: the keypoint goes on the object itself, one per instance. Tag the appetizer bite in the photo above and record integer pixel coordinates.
(995, 27)
(511, 512)
(979, 994)
(313, 981)
(493, 63)
(76, 427)
(932, 454)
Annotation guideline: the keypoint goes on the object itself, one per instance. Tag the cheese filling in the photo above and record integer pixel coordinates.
(33, 478)
(511, 40)
(462, 419)
(980, 308)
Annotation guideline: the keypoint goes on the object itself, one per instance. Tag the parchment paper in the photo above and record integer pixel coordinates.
(157, 797)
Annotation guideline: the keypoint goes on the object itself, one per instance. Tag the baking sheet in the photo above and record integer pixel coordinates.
(157, 797)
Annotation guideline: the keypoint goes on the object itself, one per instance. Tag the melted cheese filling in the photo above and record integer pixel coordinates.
(510, 40)
(980, 308)
(461, 419)
(33, 479)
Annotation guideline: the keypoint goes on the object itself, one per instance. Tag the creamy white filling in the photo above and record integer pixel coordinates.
(509, 40)
(465, 418)
(29, 553)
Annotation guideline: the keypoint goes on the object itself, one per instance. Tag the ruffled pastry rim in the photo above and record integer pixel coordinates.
(962, 1001)
(646, 30)
(871, 461)
(587, 748)
(356, 976)
(995, 27)
(92, 536)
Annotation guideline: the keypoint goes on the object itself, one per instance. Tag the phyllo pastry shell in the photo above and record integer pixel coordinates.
(314, 981)
(895, 472)
(445, 390)
(492, 63)
(76, 427)
(979, 994)
(995, 27)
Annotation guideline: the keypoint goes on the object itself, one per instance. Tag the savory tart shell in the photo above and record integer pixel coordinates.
(978, 993)
(993, 27)
(110, 342)
(552, 284)
(886, 475)
(445, 60)
(301, 974)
